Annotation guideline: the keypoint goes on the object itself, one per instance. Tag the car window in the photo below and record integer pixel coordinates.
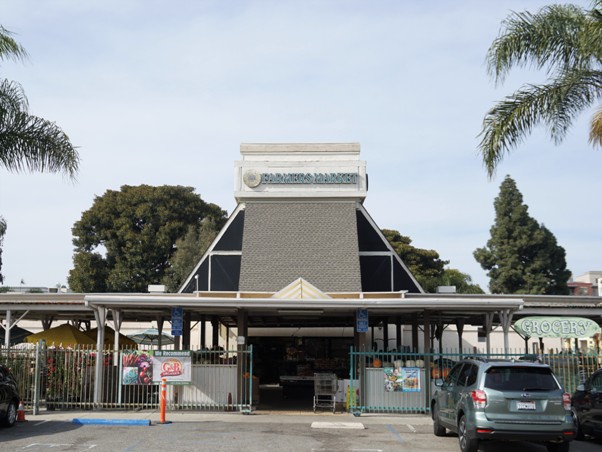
(517, 378)
(454, 374)
(468, 375)
(472, 375)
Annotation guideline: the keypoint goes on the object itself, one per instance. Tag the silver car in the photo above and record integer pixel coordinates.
(508, 400)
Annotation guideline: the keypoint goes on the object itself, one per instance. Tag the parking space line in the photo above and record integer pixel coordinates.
(396, 434)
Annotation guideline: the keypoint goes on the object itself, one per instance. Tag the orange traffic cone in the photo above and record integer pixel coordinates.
(21, 413)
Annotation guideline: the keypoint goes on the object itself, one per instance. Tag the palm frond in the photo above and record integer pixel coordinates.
(595, 131)
(30, 143)
(571, 93)
(552, 38)
(9, 48)
(555, 104)
(12, 96)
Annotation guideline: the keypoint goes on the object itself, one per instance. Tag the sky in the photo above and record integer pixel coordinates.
(163, 93)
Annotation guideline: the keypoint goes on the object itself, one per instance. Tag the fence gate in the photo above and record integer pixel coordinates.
(387, 382)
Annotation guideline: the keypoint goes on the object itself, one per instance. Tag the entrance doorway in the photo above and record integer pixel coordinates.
(285, 368)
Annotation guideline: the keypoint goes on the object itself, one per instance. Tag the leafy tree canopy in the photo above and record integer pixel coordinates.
(427, 267)
(521, 256)
(462, 281)
(566, 42)
(189, 250)
(127, 239)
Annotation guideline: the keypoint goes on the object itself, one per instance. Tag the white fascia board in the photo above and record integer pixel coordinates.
(295, 304)
(79, 307)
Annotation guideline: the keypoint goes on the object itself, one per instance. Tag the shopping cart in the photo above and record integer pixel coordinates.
(325, 388)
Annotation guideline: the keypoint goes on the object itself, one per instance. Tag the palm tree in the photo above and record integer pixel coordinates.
(27, 142)
(566, 42)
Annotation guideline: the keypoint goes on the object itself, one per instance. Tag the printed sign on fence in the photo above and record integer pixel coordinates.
(173, 365)
(137, 368)
(406, 379)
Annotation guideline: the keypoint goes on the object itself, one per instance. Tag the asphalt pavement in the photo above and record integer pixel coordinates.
(132, 431)
(286, 431)
(265, 417)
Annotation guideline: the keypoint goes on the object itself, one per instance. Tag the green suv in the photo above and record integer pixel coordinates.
(508, 400)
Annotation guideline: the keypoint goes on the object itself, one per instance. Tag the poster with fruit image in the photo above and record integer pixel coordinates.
(137, 368)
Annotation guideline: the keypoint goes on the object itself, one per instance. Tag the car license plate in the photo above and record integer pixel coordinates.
(525, 405)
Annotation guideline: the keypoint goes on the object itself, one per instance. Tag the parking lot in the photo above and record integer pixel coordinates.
(236, 432)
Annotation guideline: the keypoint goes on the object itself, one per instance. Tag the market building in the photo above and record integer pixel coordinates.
(298, 261)
(302, 281)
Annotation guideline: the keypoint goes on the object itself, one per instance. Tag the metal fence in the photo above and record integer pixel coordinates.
(402, 382)
(221, 380)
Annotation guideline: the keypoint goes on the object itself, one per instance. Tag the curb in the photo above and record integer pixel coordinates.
(82, 421)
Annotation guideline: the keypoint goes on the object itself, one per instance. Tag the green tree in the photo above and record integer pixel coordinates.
(521, 256)
(189, 250)
(462, 281)
(425, 265)
(566, 42)
(27, 142)
(90, 273)
(126, 240)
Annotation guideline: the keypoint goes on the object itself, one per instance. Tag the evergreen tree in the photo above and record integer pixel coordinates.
(521, 256)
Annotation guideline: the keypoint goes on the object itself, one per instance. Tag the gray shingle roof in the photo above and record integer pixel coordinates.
(316, 241)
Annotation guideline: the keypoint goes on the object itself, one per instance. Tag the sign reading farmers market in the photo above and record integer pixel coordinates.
(564, 327)
(253, 178)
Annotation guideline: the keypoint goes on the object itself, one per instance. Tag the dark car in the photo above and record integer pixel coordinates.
(507, 400)
(9, 397)
(587, 406)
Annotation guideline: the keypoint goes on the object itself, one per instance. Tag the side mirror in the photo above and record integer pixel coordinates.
(438, 382)
(581, 387)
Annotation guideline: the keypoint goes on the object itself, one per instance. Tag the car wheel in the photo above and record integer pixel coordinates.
(438, 429)
(11, 415)
(466, 444)
(579, 435)
(558, 447)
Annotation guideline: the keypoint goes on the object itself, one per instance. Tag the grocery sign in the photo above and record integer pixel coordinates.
(564, 327)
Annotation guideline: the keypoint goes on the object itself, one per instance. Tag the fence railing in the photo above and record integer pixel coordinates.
(222, 380)
(403, 382)
(65, 379)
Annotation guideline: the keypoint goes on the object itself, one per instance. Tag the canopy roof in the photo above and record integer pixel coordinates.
(264, 310)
